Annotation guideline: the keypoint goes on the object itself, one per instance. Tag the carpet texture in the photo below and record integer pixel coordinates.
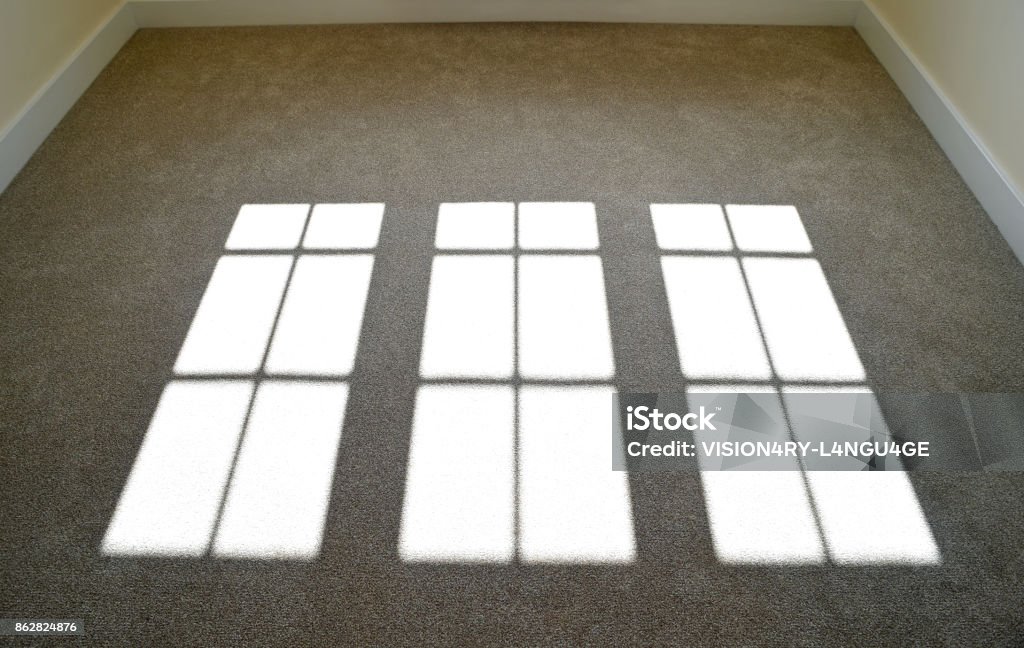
(110, 234)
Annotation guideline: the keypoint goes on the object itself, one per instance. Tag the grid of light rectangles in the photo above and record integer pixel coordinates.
(239, 457)
(509, 455)
(753, 312)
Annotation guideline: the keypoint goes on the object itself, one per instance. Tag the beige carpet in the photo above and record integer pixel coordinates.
(110, 234)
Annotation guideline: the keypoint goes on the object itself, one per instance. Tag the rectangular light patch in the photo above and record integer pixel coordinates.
(280, 489)
(558, 226)
(715, 328)
(573, 508)
(169, 504)
(691, 227)
(469, 324)
(759, 517)
(475, 226)
(807, 338)
(318, 330)
(230, 330)
(267, 227)
(563, 318)
(351, 226)
(459, 489)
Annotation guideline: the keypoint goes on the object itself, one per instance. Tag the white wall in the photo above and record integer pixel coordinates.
(37, 38)
(959, 63)
(50, 52)
(974, 52)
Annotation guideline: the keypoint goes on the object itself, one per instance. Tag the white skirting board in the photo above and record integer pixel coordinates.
(196, 13)
(1003, 201)
(45, 110)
